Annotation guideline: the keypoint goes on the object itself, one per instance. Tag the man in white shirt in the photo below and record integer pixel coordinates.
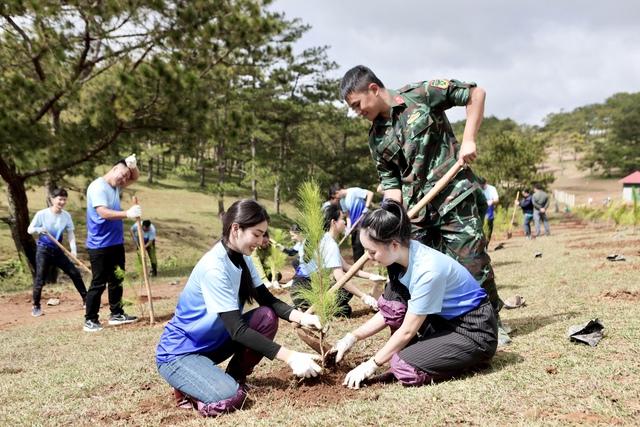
(491, 194)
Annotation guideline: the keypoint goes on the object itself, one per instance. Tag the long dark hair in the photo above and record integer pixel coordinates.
(246, 213)
(331, 213)
(387, 224)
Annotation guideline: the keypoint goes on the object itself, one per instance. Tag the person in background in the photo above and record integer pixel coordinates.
(527, 210)
(540, 201)
(149, 236)
(354, 201)
(210, 326)
(260, 258)
(54, 220)
(334, 224)
(441, 320)
(105, 241)
(491, 194)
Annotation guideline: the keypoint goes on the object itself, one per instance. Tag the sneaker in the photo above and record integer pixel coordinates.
(36, 312)
(121, 319)
(92, 326)
(503, 337)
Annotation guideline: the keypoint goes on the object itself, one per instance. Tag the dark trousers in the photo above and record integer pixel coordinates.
(356, 246)
(489, 230)
(441, 346)
(45, 258)
(104, 262)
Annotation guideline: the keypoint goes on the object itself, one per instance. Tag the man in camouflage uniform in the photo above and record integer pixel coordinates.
(413, 145)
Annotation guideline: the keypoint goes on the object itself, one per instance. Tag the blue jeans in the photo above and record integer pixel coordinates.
(537, 216)
(45, 258)
(526, 223)
(199, 376)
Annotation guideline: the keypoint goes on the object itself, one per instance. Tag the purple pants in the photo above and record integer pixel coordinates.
(198, 381)
(443, 348)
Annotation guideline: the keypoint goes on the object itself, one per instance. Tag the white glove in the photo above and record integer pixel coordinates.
(74, 252)
(134, 211)
(131, 161)
(357, 375)
(376, 278)
(42, 230)
(275, 284)
(343, 346)
(370, 301)
(280, 246)
(303, 364)
(310, 320)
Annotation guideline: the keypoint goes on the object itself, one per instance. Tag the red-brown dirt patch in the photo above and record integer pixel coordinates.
(623, 295)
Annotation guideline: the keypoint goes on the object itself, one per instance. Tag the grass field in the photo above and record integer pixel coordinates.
(52, 373)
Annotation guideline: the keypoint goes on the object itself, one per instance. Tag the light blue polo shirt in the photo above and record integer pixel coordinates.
(212, 288)
(438, 284)
(354, 203)
(55, 224)
(331, 257)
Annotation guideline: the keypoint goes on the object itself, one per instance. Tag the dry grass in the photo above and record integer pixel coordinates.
(54, 374)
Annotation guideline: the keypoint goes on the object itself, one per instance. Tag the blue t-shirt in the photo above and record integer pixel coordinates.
(354, 203)
(331, 257)
(438, 284)
(102, 233)
(491, 194)
(212, 288)
(55, 224)
(146, 235)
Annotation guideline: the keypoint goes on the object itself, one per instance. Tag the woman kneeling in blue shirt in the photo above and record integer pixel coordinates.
(441, 320)
(209, 325)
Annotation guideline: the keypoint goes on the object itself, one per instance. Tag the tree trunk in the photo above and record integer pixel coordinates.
(202, 168)
(221, 167)
(19, 219)
(157, 165)
(276, 190)
(254, 181)
(150, 171)
(49, 186)
(176, 161)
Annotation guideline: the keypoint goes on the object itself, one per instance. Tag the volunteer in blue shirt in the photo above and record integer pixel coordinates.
(441, 320)
(149, 237)
(105, 241)
(334, 224)
(209, 325)
(355, 202)
(55, 221)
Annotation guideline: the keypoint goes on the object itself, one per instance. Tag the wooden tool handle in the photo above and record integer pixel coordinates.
(145, 273)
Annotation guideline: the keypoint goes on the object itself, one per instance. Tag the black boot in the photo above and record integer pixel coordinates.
(154, 270)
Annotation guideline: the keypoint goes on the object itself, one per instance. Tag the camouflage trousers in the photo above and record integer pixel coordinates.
(459, 234)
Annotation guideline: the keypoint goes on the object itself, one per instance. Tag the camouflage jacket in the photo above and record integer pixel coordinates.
(417, 146)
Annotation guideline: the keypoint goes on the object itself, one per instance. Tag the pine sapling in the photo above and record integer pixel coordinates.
(324, 303)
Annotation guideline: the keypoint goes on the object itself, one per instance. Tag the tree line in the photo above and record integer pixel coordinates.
(213, 86)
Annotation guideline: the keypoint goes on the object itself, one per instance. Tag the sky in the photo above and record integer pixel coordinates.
(532, 58)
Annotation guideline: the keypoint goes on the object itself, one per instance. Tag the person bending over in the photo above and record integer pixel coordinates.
(334, 224)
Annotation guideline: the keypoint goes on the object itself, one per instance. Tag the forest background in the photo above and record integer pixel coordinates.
(212, 93)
